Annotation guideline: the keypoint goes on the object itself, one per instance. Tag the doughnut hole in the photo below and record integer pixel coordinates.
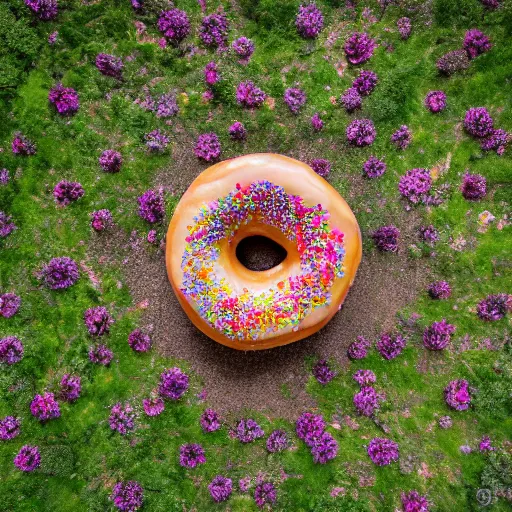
(258, 253)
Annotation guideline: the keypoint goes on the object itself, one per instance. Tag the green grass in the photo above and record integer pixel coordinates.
(82, 458)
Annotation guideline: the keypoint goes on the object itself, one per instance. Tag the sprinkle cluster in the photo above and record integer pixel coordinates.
(290, 301)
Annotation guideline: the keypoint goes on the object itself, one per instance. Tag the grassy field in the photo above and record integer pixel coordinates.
(81, 457)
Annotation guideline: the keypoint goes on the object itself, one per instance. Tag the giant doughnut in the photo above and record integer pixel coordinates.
(279, 198)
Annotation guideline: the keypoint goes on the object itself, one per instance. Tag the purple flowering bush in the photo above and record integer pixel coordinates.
(70, 387)
(374, 168)
(390, 345)
(249, 95)
(110, 65)
(453, 62)
(386, 238)
(28, 458)
(383, 451)
(478, 122)
(316, 122)
(437, 336)
(402, 137)
(60, 273)
(44, 407)
(9, 428)
(66, 192)
(359, 349)
(237, 131)
(210, 421)
(100, 354)
(101, 220)
(173, 384)
(457, 395)
(324, 449)
(494, 307)
(351, 100)
(214, 30)
(323, 372)
(277, 441)
(415, 185)
(321, 166)
(364, 377)
(309, 427)
(11, 350)
(122, 418)
(64, 99)
(139, 341)
(476, 43)
(474, 186)
(248, 431)
(127, 496)
(21, 145)
(111, 161)
(445, 422)
(6, 225)
(220, 488)
(309, 21)
(9, 304)
(211, 73)
(435, 101)
(151, 206)
(208, 147)
(244, 48)
(439, 290)
(365, 83)
(361, 132)
(191, 455)
(497, 141)
(153, 406)
(404, 27)
(45, 10)
(295, 99)
(359, 48)
(157, 141)
(414, 502)
(174, 25)
(98, 320)
(366, 401)
(429, 234)
(265, 494)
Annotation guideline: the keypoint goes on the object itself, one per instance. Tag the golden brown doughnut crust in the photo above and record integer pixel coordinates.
(296, 178)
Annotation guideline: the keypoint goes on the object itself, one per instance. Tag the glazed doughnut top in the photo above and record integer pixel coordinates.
(243, 305)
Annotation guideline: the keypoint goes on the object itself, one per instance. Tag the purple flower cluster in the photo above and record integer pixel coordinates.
(98, 321)
(316, 122)
(11, 350)
(457, 395)
(191, 455)
(166, 106)
(44, 9)
(485, 444)
(28, 458)
(476, 43)
(9, 428)
(323, 372)
(402, 137)
(414, 502)
(70, 387)
(497, 141)
(111, 161)
(351, 99)
(452, 62)
(445, 422)
(173, 384)
(373, 167)
(474, 186)
(391, 345)
(359, 47)
(211, 74)
(324, 449)
(249, 95)
(122, 418)
(478, 122)
(386, 238)
(429, 234)
(364, 377)
(309, 21)
(60, 273)
(139, 341)
(277, 441)
(214, 30)
(64, 99)
(309, 427)
(365, 83)
(404, 27)
(439, 290)
(100, 354)
(366, 401)
(174, 25)
(415, 185)
(437, 336)
(244, 48)
(66, 192)
(491, 4)
(110, 65)
(157, 141)
(265, 494)
(21, 145)
(359, 348)
(127, 496)
(383, 451)
(435, 101)
(52, 38)
(6, 225)
(248, 431)
(208, 147)
(4, 177)
(321, 166)
(101, 220)
(237, 131)
(151, 206)
(44, 407)
(210, 421)
(361, 132)
(494, 307)
(295, 99)
(153, 406)
(220, 488)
